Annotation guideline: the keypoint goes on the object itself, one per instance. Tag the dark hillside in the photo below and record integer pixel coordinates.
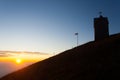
(98, 60)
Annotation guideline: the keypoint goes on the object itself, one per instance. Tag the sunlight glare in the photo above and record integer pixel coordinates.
(18, 61)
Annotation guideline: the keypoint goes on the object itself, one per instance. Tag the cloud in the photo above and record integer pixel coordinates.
(16, 53)
(4, 54)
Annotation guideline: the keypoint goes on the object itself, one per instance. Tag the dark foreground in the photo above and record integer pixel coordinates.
(98, 60)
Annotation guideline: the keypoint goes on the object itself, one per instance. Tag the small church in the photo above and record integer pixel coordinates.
(101, 27)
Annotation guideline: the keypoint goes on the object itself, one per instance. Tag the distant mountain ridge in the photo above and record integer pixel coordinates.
(96, 60)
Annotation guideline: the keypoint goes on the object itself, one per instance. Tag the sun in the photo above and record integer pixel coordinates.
(18, 61)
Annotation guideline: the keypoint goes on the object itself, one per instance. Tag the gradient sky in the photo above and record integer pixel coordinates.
(49, 25)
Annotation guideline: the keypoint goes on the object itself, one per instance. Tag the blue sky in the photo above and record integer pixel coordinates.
(49, 25)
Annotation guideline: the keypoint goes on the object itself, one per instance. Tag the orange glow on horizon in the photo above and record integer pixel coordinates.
(23, 58)
(18, 61)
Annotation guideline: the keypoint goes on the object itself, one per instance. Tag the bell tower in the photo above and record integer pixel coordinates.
(101, 29)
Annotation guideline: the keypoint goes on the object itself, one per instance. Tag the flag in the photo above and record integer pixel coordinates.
(76, 33)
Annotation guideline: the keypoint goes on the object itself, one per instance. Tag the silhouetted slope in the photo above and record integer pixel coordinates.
(92, 61)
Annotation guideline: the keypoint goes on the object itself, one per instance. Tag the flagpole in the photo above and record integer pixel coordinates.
(77, 38)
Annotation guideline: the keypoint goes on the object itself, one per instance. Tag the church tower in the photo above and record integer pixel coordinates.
(101, 28)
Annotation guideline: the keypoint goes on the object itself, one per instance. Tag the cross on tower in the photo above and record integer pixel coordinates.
(100, 13)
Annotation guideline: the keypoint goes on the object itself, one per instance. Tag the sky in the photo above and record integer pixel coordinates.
(28, 27)
(49, 25)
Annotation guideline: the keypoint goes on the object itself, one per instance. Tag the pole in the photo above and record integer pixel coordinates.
(77, 38)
